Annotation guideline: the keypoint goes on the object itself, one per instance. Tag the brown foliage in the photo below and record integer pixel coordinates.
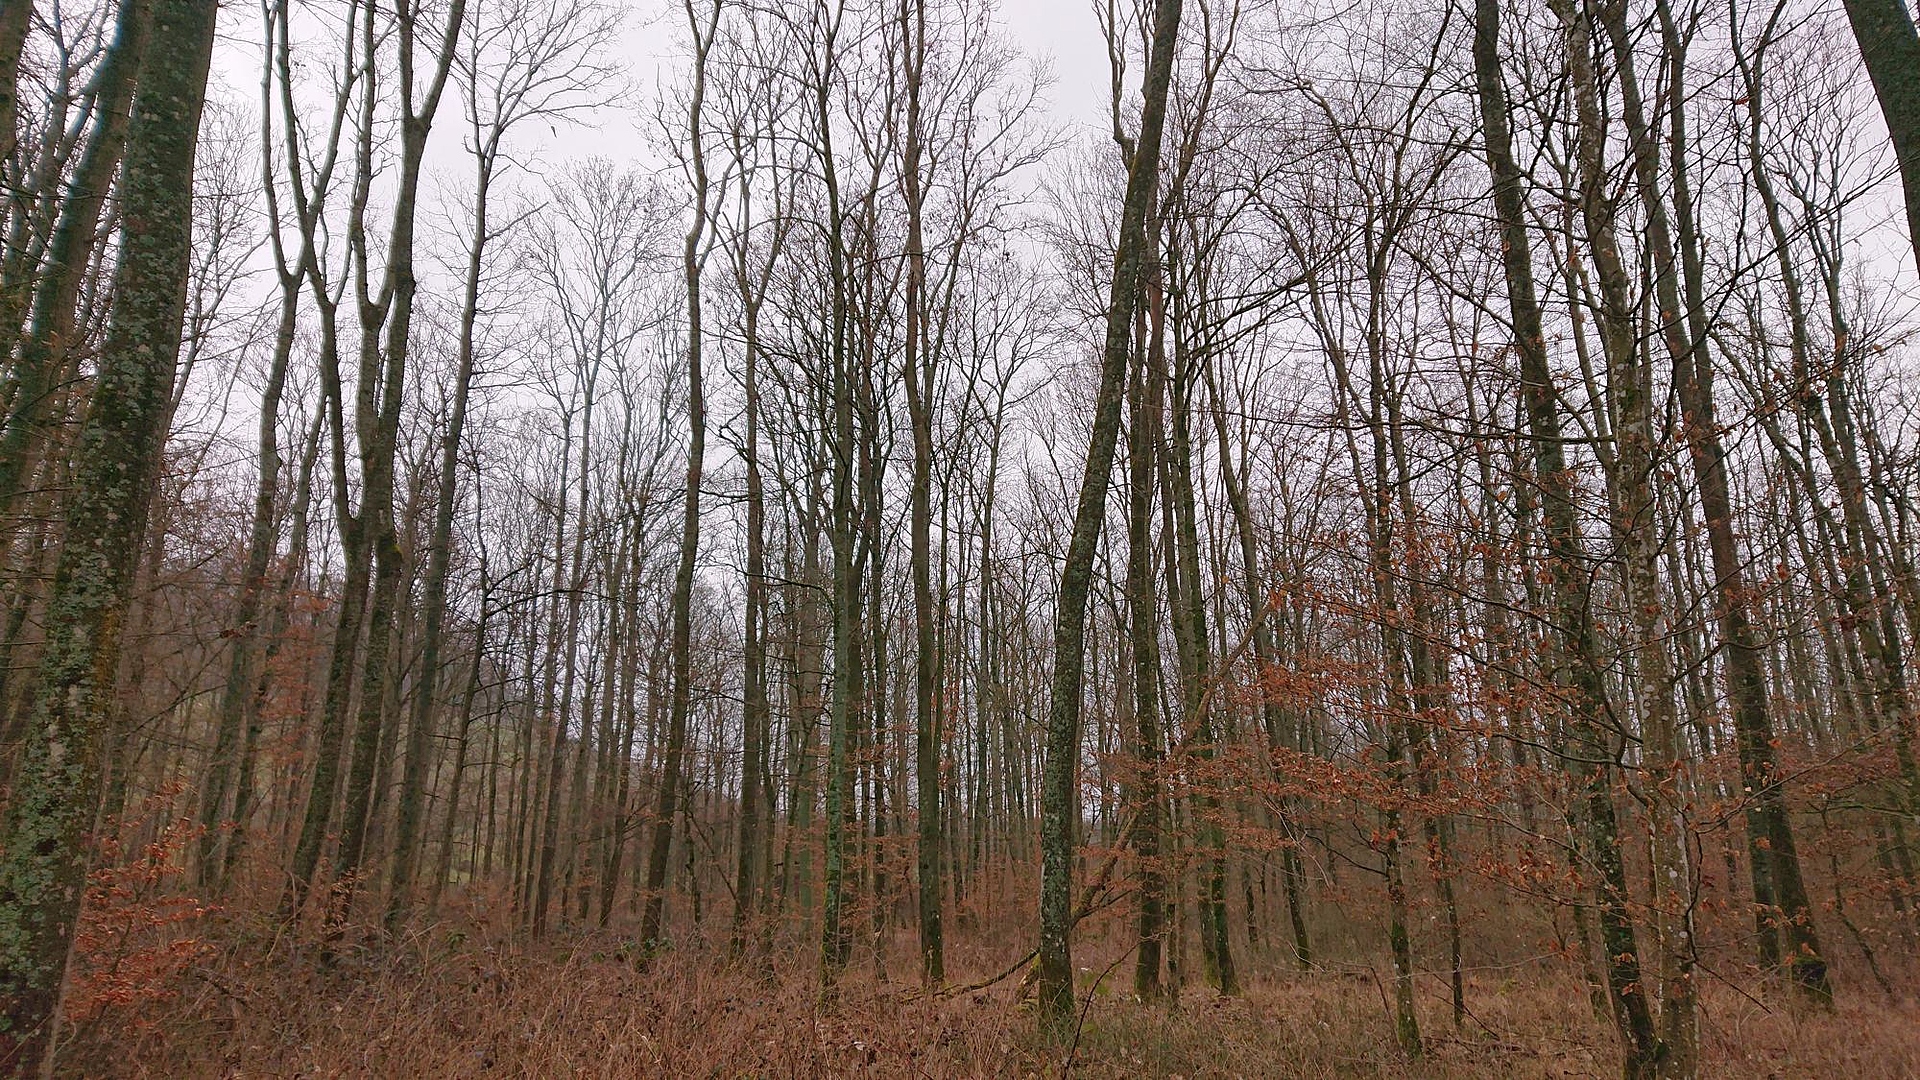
(467, 1000)
(137, 936)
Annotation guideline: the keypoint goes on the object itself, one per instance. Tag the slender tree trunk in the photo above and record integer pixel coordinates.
(1147, 387)
(692, 256)
(1635, 527)
(1199, 734)
(1234, 477)
(278, 615)
(921, 383)
(756, 712)
(555, 823)
(462, 740)
(413, 780)
(383, 369)
(624, 760)
(1062, 758)
(1576, 667)
(844, 704)
(241, 674)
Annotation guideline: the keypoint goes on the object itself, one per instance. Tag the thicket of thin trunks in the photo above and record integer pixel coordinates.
(1422, 482)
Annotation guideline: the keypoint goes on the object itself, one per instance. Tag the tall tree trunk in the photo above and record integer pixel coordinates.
(1235, 478)
(1781, 888)
(410, 810)
(835, 940)
(756, 711)
(380, 392)
(1576, 667)
(57, 783)
(242, 676)
(1637, 449)
(692, 255)
(1773, 856)
(921, 384)
(1062, 758)
(555, 821)
(1147, 386)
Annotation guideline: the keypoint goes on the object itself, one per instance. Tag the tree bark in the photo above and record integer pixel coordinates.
(1060, 766)
(57, 784)
(1891, 49)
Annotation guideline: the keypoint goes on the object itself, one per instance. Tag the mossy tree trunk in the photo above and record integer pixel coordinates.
(117, 456)
(1575, 669)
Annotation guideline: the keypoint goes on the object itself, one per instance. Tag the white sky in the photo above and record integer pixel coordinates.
(1066, 34)
(1063, 32)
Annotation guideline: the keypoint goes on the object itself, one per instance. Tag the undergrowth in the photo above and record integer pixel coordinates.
(463, 998)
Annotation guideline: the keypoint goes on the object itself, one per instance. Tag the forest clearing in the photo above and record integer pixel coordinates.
(814, 538)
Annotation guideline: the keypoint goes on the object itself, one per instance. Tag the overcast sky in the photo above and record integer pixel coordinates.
(1063, 33)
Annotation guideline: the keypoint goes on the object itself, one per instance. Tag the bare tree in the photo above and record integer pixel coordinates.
(1069, 657)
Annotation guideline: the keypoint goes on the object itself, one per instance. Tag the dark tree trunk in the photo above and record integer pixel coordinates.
(1057, 827)
(692, 256)
(1891, 49)
(1576, 667)
(920, 383)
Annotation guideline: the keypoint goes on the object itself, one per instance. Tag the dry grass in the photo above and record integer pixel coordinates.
(470, 1003)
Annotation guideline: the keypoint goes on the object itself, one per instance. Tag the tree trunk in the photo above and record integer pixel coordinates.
(1891, 49)
(921, 383)
(35, 377)
(410, 811)
(692, 255)
(1143, 620)
(1577, 665)
(57, 783)
(1070, 617)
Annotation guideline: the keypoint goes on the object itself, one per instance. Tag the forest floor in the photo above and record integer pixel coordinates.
(468, 1003)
